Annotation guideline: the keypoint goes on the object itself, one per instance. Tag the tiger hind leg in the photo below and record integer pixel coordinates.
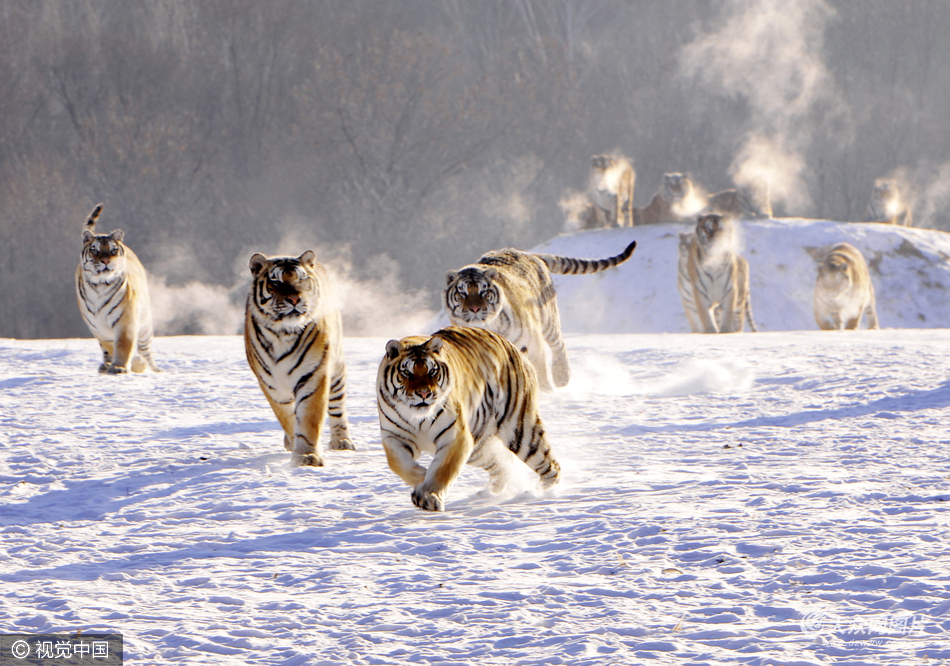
(336, 413)
(490, 456)
(530, 444)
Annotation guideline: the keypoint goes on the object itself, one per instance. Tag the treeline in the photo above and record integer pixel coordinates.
(400, 139)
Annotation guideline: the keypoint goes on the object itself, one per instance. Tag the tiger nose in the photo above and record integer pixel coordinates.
(425, 394)
(293, 299)
(474, 308)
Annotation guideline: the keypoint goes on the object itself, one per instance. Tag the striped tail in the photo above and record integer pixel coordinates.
(93, 217)
(569, 266)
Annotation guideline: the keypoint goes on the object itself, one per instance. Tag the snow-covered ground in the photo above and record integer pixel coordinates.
(776, 498)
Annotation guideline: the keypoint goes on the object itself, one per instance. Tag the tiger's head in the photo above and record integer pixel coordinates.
(414, 374)
(676, 187)
(285, 289)
(103, 255)
(601, 163)
(886, 198)
(473, 296)
(714, 236)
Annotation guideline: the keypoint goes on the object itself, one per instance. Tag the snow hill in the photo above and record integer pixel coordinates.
(909, 269)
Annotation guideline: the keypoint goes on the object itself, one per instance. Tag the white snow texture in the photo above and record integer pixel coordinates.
(770, 498)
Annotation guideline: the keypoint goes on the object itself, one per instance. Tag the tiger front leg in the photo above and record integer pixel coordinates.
(126, 334)
(402, 457)
(310, 411)
(445, 467)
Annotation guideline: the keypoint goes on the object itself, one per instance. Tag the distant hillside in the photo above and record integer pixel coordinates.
(909, 269)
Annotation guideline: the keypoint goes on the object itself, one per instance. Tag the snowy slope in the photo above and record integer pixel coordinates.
(777, 498)
(909, 269)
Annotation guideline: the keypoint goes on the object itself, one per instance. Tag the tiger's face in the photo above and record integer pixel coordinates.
(473, 296)
(103, 255)
(601, 163)
(712, 228)
(886, 198)
(676, 186)
(284, 288)
(414, 374)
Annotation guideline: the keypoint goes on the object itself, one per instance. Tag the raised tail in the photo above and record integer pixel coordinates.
(569, 266)
(91, 220)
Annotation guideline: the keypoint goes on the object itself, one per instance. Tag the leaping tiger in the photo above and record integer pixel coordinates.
(112, 290)
(462, 395)
(292, 337)
(511, 293)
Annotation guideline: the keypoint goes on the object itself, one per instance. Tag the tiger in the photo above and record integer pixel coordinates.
(887, 206)
(511, 293)
(745, 202)
(612, 180)
(665, 205)
(112, 291)
(844, 292)
(713, 280)
(292, 339)
(462, 395)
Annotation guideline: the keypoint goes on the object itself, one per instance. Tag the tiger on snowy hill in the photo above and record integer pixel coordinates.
(713, 280)
(292, 338)
(463, 395)
(511, 293)
(112, 290)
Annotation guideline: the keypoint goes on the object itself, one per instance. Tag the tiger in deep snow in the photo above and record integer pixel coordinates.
(292, 337)
(112, 291)
(462, 395)
(511, 293)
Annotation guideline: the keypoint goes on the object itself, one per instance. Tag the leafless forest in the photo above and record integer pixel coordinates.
(400, 139)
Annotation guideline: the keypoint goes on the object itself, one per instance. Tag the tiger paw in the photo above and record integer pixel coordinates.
(307, 460)
(104, 368)
(342, 445)
(116, 370)
(427, 501)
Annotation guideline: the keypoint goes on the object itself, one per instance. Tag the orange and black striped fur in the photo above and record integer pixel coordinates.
(463, 395)
(112, 290)
(844, 292)
(511, 293)
(713, 280)
(292, 336)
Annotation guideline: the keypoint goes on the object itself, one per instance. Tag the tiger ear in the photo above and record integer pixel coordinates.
(450, 277)
(87, 236)
(393, 349)
(490, 273)
(256, 262)
(434, 345)
(117, 235)
(308, 258)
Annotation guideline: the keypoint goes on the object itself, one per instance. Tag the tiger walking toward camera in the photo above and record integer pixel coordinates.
(713, 280)
(462, 395)
(292, 337)
(112, 291)
(511, 293)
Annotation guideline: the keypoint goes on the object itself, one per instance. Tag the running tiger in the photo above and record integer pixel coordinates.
(713, 280)
(844, 292)
(112, 290)
(887, 206)
(462, 395)
(292, 337)
(611, 186)
(511, 293)
(666, 204)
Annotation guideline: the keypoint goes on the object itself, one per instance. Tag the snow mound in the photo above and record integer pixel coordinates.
(909, 269)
